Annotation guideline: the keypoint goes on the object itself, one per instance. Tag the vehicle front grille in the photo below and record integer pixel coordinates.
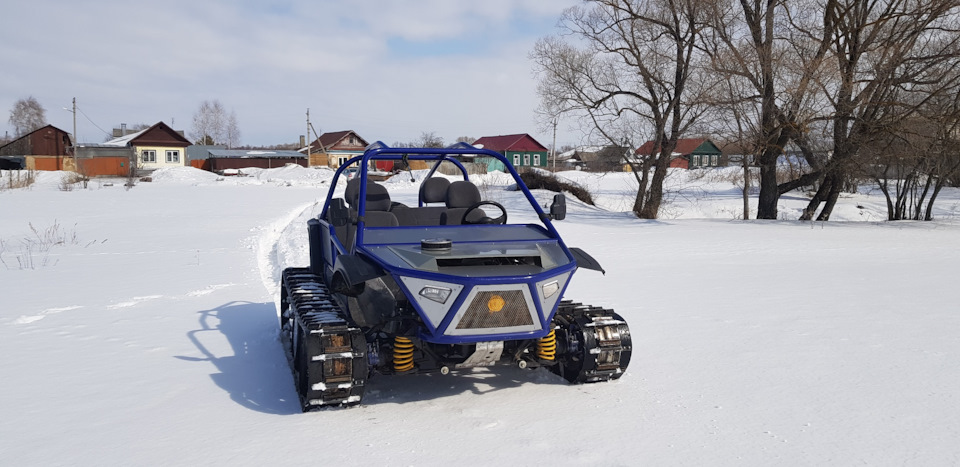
(479, 315)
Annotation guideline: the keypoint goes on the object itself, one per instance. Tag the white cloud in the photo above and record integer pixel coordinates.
(157, 61)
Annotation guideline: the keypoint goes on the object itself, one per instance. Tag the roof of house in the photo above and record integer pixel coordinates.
(330, 139)
(160, 134)
(123, 140)
(24, 141)
(518, 142)
(253, 153)
(685, 147)
(39, 129)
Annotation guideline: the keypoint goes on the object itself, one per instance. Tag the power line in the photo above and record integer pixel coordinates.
(94, 124)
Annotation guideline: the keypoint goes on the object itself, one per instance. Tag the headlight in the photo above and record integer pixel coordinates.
(550, 288)
(437, 294)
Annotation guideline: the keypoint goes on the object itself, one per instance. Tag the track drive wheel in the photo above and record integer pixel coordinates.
(593, 344)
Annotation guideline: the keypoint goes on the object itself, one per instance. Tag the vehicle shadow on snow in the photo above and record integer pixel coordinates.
(382, 389)
(254, 369)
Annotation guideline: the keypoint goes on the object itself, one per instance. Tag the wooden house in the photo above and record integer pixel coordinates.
(46, 148)
(156, 147)
(690, 153)
(520, 149)
(335, 148)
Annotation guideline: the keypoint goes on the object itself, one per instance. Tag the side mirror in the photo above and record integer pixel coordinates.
(558, 209)
(338, 214)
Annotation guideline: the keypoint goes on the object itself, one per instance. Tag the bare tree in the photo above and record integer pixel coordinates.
(890, 58)
(914, 160)
(635, 71)
(736, 116)
(770, 69)
(27, 115)
(210, 124)
(231, 133)
(428, 139)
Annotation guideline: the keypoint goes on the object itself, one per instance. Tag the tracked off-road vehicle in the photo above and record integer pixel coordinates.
(397, 289)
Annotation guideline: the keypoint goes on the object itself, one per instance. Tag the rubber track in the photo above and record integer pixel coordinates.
(329, 355)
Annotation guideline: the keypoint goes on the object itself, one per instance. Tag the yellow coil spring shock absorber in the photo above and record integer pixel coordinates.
(402, 354)
(547, 346)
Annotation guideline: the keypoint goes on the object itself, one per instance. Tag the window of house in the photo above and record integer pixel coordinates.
(516, 159)
(696, 161)
(714, 160)
(173, 156)
(341, 161)
(536, 160)
(148, 156)
(526, 159)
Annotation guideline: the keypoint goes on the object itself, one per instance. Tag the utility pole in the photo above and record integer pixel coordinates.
(76, 161)
(323, 150)
(74, 127)
(73, 137)
(554, 148)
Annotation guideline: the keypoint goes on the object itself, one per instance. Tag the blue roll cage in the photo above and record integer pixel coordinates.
(434, 332)
(379, 151)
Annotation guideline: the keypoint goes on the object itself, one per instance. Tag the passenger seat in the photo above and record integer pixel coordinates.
(432, 190)
(377, 209)
(460, 196)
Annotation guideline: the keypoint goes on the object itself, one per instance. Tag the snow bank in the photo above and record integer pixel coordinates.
(43, 180)
(291, 175)
(183, 175)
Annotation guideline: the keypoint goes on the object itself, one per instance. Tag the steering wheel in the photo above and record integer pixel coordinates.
(502, 219)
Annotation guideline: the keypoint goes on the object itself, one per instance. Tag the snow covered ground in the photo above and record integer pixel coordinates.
(138, 327)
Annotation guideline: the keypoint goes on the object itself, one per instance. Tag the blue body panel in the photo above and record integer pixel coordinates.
(387, 247)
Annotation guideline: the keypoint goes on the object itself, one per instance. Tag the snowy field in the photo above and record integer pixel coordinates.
(139, 327)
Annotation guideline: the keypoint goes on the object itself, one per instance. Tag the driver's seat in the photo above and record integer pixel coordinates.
(460, 196)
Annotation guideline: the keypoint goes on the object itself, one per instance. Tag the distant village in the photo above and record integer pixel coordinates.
(139, 152)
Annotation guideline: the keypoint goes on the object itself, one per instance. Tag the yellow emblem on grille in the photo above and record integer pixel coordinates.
(495, 303)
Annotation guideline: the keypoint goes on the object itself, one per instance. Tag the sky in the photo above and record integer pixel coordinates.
(389, 70)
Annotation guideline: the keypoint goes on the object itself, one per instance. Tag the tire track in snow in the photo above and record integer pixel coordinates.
(283, 243)
(24, 319)
(120, 305)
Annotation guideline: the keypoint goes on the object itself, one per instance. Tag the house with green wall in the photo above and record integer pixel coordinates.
(690, 153)
(521, 150)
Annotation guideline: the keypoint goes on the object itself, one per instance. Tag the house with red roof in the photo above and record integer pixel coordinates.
(690, 153)
(520, 149)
